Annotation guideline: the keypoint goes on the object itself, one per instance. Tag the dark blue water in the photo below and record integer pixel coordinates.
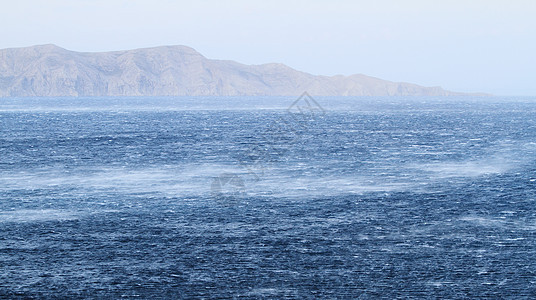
(236, 198)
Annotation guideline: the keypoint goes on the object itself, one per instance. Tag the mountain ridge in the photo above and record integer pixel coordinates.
(49, 70)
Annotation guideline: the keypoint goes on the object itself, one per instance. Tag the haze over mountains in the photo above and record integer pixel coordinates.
(48, 70)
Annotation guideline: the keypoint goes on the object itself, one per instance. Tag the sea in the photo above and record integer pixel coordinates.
(268, 197)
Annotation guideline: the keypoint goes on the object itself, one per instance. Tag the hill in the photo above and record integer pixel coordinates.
(48, 70)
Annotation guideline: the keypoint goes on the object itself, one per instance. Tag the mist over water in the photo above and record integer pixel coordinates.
(207, 197)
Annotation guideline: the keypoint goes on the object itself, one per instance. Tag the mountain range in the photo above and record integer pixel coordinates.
(49, 70)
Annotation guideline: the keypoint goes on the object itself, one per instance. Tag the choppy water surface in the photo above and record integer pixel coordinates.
(227, 198)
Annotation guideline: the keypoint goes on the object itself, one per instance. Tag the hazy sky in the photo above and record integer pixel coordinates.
(466, 45)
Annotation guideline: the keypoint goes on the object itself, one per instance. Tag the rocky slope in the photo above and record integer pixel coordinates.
(48, 70)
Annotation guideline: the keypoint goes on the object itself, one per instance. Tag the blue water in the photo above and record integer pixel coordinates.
(236, 198)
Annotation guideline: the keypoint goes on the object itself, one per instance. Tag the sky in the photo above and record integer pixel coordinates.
(467, 46)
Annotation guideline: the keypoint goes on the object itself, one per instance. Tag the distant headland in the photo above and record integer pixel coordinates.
(49, 70)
